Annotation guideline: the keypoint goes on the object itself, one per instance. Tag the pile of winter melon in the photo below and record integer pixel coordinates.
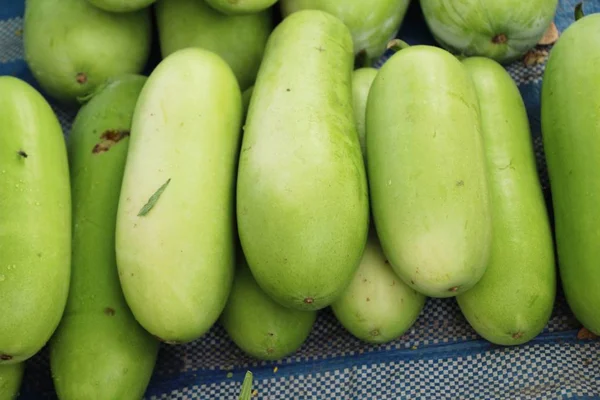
(260, 173)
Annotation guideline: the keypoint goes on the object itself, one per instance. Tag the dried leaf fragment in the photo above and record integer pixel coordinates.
(550, 36)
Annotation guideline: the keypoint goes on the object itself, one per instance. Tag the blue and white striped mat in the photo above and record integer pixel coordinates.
(440, 357)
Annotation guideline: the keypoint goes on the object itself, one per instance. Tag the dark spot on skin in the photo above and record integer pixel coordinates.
(288, 90)
(411, 281)
(374, 332)
(499, 39)
(460, 183)
(364, 280)
(270, 334)
(109, 311)
(368, 299)
(453, 289)
(509, 165)
(39, 255)
(309, 300)
(320, 49)
(108, 139)
(81, 78)
(22, 154)
(393, 283)
(131, 274)
(387, 261)
(517, 335)
(270, 350)
(5, 357)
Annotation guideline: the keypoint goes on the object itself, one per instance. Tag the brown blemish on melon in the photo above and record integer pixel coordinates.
(108, 139)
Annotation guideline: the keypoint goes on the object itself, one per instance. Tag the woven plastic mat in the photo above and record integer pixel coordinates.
(440, 357)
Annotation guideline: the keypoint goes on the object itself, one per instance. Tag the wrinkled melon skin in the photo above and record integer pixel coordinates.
(64, 39)
(35, 221)
(372, 23)
(239, 39)
(177, 261)
(99, 351)
(377, 306)
(11, 377)
(362, 79)
(502, 30)
(261, 327)
(302, 195)
(121, 5)
(240, 7)
(513, 301)
(571, 133)
(426, 165)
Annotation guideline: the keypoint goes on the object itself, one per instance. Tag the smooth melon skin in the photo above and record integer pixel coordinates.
(261, 327)
(176, 259)
(11, 377)
(426, 165)
(240, 7)
(362, 79)
(513, 301)
(372, 23)
(35, 221)
(239, 39)
(99, 351)
(502, 30)
(121, 5)
(64, 39)
(377, 306)
(302, 196)
(571, 133)
(246, 96)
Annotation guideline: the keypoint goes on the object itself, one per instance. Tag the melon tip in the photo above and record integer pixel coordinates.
(500, 39)
(81, 78)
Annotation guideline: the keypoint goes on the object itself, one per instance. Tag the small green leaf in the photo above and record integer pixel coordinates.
(579, 11)
(153, 199)
(246, 392)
